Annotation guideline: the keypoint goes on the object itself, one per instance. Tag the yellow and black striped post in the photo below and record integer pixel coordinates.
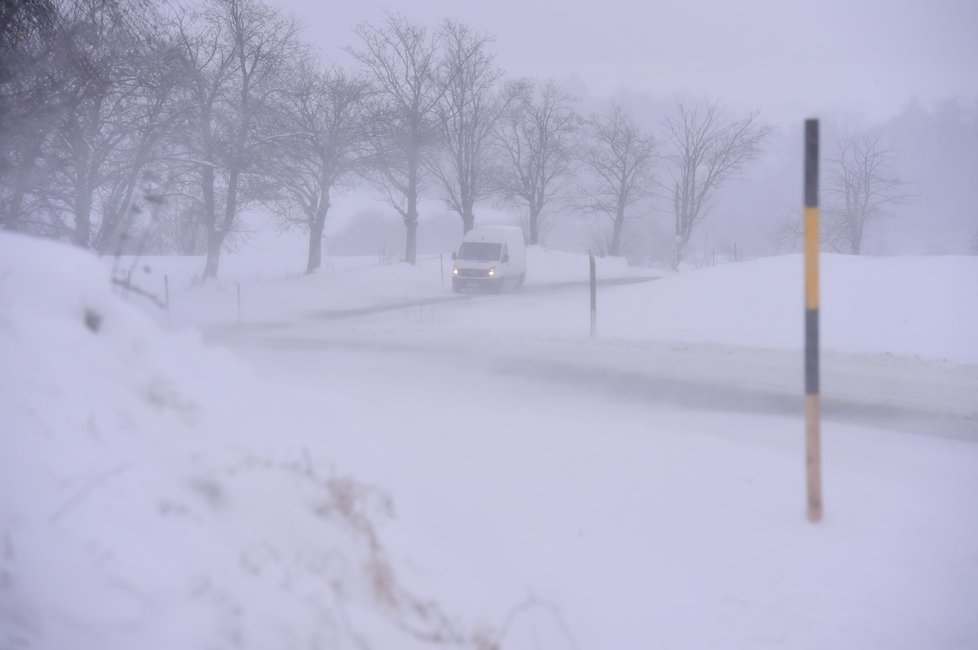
(813, 416)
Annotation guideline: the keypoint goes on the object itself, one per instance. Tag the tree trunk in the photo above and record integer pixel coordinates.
(411, 217)
(680, 249)
(855, 240)
(12, 218)
(210, 222)
(215, 239)
(117, 221)
(411, 226)
(215, 236)
(411, 241)
(315, 247)
(231, 206)
(82, 234)
(468, 215)
(207, 191)
(534, 227)
(21, 180)
(615, 249)
(83, 218)
(316, 228)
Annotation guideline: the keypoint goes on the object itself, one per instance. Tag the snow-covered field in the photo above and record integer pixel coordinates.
(476, 471)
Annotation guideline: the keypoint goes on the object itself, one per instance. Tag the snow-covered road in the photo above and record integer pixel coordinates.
(636, 503)
(486, 459)
(896, 392)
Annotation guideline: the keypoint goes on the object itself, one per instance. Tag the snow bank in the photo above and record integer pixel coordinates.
(912, 306)
(147, 500)
(907, 306)
(274, 290)
(921, 306)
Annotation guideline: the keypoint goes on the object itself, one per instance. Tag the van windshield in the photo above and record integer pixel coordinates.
(483, 251)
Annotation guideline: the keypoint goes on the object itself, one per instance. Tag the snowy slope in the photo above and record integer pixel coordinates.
(907, 306)
(274, 290)
(912, 306)
(915, 306)
(145, 504)
(896, 334)
(156, 493)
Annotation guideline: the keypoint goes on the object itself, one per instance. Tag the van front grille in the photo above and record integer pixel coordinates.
(473, 273)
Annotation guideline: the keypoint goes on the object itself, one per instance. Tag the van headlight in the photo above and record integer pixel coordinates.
(492, 272)
(454, 270)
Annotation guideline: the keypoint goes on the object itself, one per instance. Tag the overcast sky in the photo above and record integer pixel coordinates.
(789, 58)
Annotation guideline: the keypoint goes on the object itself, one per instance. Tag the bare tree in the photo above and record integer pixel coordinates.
(150, 114)
(237, 52)
(29, 102)
(401, 59)
(618, 156)
(208, 68)
(860, 189)
(20, 21)
(262, 42)
(467, 115)
(177, 226)
(534, 136)
(323, 126)
(707, 148)
(82, 73)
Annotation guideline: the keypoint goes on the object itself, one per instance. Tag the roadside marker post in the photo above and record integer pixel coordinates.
(239, 303)
(813, 416)
(594, 297)
(166, 294)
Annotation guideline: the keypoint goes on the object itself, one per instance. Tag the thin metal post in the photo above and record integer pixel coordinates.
(813, 416)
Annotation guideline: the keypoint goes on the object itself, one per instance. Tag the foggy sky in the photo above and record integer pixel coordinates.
(790, 59)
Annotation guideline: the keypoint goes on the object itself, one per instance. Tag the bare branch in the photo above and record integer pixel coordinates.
(467, 114)
(400, 58)
(860, 189)
(707, 148)
(534, 141)
(618, 156)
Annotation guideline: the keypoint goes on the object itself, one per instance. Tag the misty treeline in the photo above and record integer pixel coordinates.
(131, 127)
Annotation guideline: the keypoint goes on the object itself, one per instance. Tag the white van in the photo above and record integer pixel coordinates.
(491, 257)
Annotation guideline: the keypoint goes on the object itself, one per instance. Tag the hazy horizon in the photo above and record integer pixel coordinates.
(790, 60)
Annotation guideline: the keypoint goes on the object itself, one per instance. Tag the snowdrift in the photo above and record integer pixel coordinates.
(911, 306)
(907, 306)
(147, 501)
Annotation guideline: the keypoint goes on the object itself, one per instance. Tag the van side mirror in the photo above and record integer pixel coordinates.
(505, 258)
(454, 255)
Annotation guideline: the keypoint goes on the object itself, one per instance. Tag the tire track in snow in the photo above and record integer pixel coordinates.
(689, 376)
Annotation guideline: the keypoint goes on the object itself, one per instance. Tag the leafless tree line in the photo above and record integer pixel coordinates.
(125, 127)
(860, 189)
